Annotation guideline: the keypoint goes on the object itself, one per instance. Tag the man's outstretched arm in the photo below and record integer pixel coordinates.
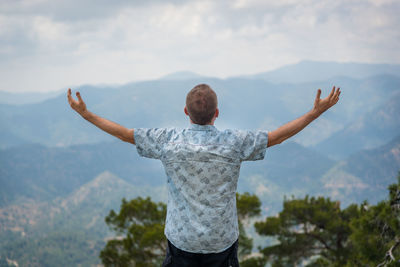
(291, 128)
(108, 126)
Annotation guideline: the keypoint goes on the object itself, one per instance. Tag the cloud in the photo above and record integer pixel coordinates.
(47, 45)
(64, 10)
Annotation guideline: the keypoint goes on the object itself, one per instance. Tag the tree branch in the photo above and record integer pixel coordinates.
(320, 240)
(389, 254)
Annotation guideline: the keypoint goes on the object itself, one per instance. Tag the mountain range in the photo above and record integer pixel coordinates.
(70, 220)
(244, 103)
(60, 176)
(307, 71)
(39, 173)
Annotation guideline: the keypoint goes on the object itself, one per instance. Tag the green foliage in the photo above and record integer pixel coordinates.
(316, 232)
(140, 225)
(253, 262)
(245, 242)
(307, 228)
(318, 262)
(248, 206)
(377, 231)
(141, 240)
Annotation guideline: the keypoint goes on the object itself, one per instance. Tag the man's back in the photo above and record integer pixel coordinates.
(202, 166)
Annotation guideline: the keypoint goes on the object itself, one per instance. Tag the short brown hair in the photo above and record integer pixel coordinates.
(201, 104)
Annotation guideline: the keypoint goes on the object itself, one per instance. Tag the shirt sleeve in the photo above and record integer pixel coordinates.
(254, 145)
(150, 142)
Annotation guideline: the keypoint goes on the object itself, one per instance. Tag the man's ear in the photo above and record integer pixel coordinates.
(216, 113)
(186, 111)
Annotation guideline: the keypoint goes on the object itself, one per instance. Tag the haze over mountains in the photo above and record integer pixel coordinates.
(244, 103)
(59, 173)
(308, 71)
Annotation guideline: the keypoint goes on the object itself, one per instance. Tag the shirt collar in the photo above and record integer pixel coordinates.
(198, 127)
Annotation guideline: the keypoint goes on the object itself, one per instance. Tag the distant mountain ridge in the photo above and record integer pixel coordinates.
(307, 71)
(24, 98)
(301, 72)
(160, 104)
(367, 132)
(289, 167)
(365, 173)
(367, 164)
(182, 75)
(43, 174)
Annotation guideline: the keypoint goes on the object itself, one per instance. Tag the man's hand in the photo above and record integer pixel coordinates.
(79, 106)
(125, 134)
(291, 128)
(322, 105)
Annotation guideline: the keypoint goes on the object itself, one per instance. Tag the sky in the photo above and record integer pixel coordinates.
(48, 45)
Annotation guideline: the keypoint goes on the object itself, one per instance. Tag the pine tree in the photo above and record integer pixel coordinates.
(309, 231)
(140, 240)
(376, 233)
(140, 228)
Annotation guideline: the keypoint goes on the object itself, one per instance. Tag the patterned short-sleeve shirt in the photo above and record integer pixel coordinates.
(202, 166)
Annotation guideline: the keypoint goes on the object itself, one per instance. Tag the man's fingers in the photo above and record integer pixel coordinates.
(70, 99)
(337, 93)
(332, 92)
(78, 95)
(318, 95)
(69, 94)
(72, 102)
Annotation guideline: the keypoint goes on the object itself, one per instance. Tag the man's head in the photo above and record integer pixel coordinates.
(201, 105)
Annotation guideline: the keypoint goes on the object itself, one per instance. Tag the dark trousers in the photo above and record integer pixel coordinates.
(179, 258)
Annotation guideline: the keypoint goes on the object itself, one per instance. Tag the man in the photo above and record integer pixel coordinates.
(202, 166)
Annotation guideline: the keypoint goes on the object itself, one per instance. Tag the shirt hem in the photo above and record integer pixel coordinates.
(204, 251)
